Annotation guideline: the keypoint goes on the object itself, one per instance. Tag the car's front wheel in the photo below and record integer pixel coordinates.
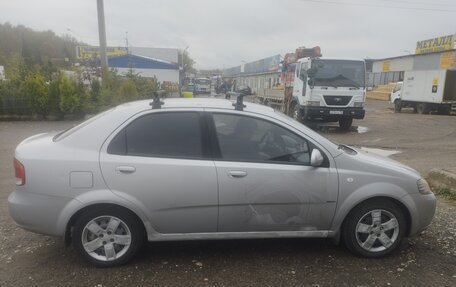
(107, 236)
(374, 229)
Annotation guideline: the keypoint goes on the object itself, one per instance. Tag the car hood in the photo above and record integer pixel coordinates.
(365, 161)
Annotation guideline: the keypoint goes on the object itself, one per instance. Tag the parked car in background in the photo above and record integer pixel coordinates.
(203, 169)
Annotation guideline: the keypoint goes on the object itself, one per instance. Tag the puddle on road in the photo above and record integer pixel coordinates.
(382, 152)
(361, 129)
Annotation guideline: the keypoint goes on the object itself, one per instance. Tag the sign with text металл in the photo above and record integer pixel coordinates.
(438, 44)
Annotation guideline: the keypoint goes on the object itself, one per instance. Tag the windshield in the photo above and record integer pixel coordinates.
(63, 134)
(203, 81)
(339, 73)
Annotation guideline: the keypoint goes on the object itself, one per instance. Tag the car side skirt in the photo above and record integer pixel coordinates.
(240, 235)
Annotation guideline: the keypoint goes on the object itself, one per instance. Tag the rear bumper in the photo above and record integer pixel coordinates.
(37, 212)
(332, 113)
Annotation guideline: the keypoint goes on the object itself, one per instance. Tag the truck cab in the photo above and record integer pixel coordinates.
(395, 96)
(329, 90)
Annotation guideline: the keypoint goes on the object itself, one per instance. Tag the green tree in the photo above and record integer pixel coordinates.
(128, 91)
(69, 100)
(95, 92)
(186, 62)
(37, 91)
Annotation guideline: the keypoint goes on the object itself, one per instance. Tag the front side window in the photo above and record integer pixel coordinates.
(175, 134)
(243, 138)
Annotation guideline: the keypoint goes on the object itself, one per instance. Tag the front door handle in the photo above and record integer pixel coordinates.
(238, 173)
(125, 169)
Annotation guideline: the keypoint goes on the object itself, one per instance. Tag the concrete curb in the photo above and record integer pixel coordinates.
(441, 178)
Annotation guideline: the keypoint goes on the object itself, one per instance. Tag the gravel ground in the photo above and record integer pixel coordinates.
(425, 142)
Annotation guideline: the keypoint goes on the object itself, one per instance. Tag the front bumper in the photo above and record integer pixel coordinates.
(422, 210)
(37, 212)
(331, 113)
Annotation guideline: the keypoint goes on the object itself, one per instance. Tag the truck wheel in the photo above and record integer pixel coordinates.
(374, 229)
(422, 108)
(345, 123)
(296, 112)
(397, 106)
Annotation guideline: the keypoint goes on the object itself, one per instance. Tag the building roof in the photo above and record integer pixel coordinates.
(140, 62)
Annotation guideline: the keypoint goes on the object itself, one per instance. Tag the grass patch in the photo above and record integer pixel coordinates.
(445, 192)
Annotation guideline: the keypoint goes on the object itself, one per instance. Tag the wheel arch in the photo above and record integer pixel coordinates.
(70, 224)
(401, 205)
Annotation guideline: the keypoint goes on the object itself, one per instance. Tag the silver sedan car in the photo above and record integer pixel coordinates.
(202, 169)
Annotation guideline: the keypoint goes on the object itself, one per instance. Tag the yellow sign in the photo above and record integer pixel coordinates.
(448, 60)
(438, 44)
(386, 66)
(435, 81)
(91, 52)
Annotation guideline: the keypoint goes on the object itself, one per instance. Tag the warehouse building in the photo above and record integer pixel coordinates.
(258, 75)
(431, 54)
(159, 63)
(146, 67)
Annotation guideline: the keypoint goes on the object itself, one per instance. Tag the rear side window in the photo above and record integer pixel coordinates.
(175, 134)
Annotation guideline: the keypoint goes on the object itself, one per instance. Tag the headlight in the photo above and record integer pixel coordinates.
(313, 103)
(423, 186)
(358, 104)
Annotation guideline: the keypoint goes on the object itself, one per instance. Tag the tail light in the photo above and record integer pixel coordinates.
(19, 172)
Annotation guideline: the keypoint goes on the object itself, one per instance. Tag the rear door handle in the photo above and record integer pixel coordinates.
(238, 173)
(125, 169)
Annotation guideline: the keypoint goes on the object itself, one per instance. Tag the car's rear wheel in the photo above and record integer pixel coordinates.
(107, 236)
(374, 229)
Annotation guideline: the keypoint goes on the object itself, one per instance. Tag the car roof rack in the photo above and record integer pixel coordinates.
(239, 104)
(157, 103)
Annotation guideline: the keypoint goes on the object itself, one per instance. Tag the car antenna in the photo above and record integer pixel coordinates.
(157, 103)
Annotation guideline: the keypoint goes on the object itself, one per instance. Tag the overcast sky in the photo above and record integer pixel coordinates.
(223, 33)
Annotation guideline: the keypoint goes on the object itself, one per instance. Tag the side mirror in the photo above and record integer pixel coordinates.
(316, 159)
(311, 83)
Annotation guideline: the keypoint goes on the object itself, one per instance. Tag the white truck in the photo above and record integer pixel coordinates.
(316, 89)
(426, 91)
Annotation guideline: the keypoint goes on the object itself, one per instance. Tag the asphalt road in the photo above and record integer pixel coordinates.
(424, 142)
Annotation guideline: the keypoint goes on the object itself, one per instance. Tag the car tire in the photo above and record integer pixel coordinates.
(397, 106)
(374, 229)
(345, 123)
(104, 230)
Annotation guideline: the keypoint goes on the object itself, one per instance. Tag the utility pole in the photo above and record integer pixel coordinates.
(102, 34)
(181, 71)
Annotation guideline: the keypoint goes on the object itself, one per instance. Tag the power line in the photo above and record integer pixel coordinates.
(380, 6)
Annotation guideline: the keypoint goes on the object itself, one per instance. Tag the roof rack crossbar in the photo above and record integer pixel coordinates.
(157, 103)
(239, 104)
